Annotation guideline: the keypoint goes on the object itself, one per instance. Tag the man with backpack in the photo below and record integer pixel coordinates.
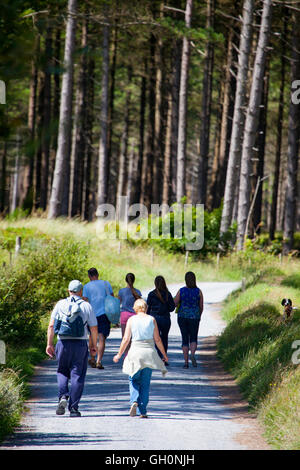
(72, 319)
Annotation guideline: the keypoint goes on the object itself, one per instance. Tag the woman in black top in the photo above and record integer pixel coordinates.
(160, 303)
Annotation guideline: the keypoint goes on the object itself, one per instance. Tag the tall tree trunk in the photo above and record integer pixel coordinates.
(175, 86)
(123, 162)
(63, 149)
(238, 116)
(146, 187)
(55, 107)
(206, 108)
(3, 178)
(226, 121)
(259, 165)
(79, 132)
(182, 113)
(15, 178)
(167, 160)
(111, 109)
(293, 143)
(46, 134)
(32, 123)
(137, 182)
(38, 153)
(103, 163)
(89, 188)
(251, 123)
(156, 172)
(274, 204)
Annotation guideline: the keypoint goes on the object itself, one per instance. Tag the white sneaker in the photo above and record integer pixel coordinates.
(62, 405)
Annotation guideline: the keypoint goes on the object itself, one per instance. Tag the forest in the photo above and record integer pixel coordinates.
(164, 102)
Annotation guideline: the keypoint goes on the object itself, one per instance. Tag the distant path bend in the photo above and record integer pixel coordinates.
(195, 408)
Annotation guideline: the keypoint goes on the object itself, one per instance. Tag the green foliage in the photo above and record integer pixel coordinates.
(255, 346)
(210, 229)
(274, 247)
(38, 279)
(10, 401)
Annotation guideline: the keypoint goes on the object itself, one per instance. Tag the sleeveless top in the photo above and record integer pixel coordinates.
(189, 303)
(142, 328)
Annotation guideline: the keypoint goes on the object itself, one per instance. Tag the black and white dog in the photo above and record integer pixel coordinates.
(287, 309)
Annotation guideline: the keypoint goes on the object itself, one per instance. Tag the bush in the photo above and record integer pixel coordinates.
(212, 221)
(10, 401)
(30, 288)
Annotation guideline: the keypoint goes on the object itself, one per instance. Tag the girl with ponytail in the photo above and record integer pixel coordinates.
(160, 304)
(128, 295)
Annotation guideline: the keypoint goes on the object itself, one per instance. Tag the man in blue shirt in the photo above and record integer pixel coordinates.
(95, 292)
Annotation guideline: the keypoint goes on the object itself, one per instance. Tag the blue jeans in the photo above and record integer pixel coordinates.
(139, 387)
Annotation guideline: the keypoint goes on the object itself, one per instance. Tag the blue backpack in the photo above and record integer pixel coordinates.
(112, 307)
(70, 322)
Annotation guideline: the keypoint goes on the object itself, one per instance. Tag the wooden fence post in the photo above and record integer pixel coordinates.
(18, 245)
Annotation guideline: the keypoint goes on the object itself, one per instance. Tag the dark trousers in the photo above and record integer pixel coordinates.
(189, 328)
(72, 356)
(164, 325)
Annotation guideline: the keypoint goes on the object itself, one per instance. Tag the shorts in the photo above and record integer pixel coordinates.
(125, 315)
(189, 330)
(103, 325)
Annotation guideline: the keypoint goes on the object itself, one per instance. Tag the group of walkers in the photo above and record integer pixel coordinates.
(82, 329)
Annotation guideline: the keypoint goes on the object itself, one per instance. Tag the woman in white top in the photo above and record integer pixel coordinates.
(142, 356)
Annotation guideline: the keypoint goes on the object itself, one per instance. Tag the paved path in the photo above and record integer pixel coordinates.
(195, 408)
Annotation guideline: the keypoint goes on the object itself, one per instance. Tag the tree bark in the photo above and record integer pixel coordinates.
(46, 131)
(167, 160)
(206, 108)
(89, 178)
(111, 110)
(274, 203)
(146, 187)
(182, 113)
(251, 124)
(137, 181)
(238, 116)
(63, 149)
(293, 143)
(79, 130)
(259, 165)
(103, 161)
(175, 86)
(123, 167)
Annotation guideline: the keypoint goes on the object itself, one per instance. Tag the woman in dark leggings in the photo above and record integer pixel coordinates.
(160, 303)
(190, 302)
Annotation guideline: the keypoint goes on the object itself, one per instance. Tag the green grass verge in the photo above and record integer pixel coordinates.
(14, 389)
(257, 348)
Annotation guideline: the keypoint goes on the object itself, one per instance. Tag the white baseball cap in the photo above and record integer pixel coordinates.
(75, 286)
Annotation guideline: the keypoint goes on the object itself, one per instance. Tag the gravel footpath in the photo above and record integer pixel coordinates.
(196, 408)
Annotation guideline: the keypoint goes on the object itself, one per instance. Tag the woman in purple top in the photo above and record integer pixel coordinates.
(189, 300)
(128, 295)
